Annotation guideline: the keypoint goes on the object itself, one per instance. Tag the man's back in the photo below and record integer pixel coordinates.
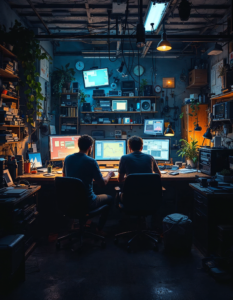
(137, 162)
(81, 166)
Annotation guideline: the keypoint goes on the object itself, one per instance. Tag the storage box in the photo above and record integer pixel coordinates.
(198, 78)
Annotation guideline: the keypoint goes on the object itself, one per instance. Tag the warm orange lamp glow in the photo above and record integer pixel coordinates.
(164, 45)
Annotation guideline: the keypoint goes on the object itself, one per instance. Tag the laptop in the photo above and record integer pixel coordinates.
(35, 158)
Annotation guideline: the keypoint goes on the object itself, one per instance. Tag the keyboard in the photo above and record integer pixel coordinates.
(116, 173)
(108, 170)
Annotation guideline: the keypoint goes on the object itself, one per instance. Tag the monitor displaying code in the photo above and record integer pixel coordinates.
(96, 78)
(158, 148)
(61, 146)
(154, 127)
(109, 149)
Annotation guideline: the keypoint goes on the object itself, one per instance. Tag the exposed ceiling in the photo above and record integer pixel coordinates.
(89, 19)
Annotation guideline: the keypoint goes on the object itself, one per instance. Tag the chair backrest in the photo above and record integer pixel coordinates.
(142, 193)
(71, 197)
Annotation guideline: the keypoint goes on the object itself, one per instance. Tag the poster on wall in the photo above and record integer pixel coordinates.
(44, 67)
(216, 82)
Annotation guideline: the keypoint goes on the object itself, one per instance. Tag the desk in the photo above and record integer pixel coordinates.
(19, 215)
(209, 211)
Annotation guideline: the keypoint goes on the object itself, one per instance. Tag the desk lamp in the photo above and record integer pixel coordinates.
(169, 131)
(207, 135)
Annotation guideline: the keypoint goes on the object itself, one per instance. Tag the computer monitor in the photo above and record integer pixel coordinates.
(62, 145)
(158, 148)
(119, 105)
(35, 158)
(109, 149)
(154, 126)
(96, 78)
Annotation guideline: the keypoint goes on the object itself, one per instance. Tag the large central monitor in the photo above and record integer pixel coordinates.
(154, 126)
(158, 148)
(96, 78)
(109, 149)
(61, 146)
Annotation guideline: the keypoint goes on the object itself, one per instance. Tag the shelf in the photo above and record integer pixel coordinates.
(70, 106)
(223, 96)
(69, 117)
(118, 112)
(7, 52)
(8, 97)
(69, 93)
(12, 126)
(125, 97)
(112, 124)
(6, 74)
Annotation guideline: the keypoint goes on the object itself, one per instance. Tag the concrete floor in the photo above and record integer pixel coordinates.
(113, 274)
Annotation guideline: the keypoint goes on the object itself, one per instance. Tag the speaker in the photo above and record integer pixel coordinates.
(86, 106)
(145, 105)
(75, 87)
(148, 90)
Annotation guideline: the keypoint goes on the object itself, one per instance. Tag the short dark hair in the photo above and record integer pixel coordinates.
(135, 143)
(84, 142)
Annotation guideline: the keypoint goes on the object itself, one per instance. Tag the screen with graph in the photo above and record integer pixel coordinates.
(109, 149)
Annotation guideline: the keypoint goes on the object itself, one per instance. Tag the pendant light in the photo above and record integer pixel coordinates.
(164, 45)
(169, 131)
(208, 134)
(198, 128)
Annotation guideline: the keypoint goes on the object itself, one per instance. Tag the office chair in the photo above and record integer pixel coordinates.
(72, 201)
(142, 194)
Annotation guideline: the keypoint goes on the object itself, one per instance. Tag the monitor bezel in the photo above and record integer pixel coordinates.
(162, 134)
(119, 100)
(96, 140)
(57, 135)
(162, 138)
(93, 87)
(35, 153)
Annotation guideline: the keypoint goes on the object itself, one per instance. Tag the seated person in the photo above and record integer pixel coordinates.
(80, 165)
(136, 161)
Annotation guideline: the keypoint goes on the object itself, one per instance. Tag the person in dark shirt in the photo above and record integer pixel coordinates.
(80, 165)
(136, 161)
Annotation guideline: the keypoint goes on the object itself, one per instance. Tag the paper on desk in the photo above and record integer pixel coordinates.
(186, 171)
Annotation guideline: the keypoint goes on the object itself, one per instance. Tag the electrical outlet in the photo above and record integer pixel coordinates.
(111, 133)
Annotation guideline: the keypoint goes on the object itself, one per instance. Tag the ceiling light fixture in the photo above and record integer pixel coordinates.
(164, 45)
(155, 14)
(184, 10)
(215, 50)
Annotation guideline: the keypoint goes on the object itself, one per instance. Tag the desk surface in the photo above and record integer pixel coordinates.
(30, 192)
(208, 193)
(39, 177)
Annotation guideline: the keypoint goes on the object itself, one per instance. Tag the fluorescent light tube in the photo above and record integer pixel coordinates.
(155, 15)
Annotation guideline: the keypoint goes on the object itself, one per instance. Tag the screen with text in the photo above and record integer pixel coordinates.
(61, 146)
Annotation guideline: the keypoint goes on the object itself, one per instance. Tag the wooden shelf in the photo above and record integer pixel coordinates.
(70, 117)
(8, 97)
(118, 112)
(223, 96)
(112, 124)
(7, 52)
(12, 126)
(126, 97)
(69, 106)
(6, 74)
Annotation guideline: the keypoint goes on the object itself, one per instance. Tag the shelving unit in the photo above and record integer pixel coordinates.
(11, 77)
(112, 124)
(220, 98)
(73, 98)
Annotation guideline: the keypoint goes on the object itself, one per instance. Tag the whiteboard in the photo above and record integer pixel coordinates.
(216, 82)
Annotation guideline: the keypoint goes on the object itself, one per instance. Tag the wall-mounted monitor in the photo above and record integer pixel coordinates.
(119, 105)
(96, 78)
(154, 126)
(159, 148)
(61, 146)
(109, 149)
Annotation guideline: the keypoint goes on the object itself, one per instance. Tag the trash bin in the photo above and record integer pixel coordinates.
(177, 233)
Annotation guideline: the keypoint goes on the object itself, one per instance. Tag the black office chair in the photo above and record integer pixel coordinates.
(142, 195)
(73, 202)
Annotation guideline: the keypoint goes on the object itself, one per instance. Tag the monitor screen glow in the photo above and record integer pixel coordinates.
(109, 149)
(62, 146)
(158, 148)
(96, 78)
(35, 159)
(154, 127)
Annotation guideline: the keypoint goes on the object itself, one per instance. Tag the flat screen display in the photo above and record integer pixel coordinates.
(96, 78)
(158, 148)
(119, 105)
(154, 126)
(109, 149)
(62, 146)
(35, 159)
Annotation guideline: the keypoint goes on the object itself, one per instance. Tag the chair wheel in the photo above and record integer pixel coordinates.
(128, 249)
(58, 245)
(103, 244)
(116, 241)
(156, 248)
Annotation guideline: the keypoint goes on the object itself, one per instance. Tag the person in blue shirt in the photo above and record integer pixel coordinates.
(80, 165)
